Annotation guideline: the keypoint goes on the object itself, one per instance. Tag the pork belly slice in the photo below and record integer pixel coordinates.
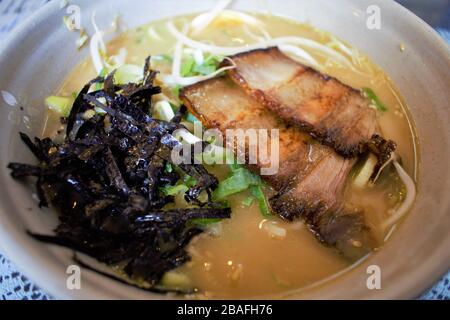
(311, 178)
(317, 198)
(332, 112)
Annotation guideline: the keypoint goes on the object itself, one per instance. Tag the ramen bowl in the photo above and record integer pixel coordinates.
(41, 53)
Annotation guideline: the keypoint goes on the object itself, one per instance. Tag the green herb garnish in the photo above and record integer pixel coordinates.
(374, 99)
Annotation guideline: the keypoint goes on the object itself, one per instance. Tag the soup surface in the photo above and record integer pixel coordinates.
(239, 257)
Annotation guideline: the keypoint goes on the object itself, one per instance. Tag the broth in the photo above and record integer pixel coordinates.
(245, 260)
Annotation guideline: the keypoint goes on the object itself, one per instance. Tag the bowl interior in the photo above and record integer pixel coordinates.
(36, 62)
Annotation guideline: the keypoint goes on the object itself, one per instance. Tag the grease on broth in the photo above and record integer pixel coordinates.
(244, 259)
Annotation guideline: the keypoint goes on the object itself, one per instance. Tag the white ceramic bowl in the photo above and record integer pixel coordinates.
(40, 53)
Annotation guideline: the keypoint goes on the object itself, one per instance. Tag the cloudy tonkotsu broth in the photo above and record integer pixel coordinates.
(241, 258)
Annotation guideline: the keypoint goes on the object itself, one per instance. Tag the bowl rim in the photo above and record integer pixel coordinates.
(11, 239)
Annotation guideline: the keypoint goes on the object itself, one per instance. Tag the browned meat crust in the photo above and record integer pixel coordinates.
(220, 104)
(311, 178)
(330, 111)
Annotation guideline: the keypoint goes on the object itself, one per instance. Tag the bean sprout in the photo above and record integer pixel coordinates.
(202, 21)
(407, 202)
(289, 40)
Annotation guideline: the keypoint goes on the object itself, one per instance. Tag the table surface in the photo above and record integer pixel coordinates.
(14, 285)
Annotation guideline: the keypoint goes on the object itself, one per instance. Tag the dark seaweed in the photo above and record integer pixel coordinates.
(104, 180)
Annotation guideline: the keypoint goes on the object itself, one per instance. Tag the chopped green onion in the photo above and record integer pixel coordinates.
(263, 204)
(128, 73)
(183, 185)
(240, 180)
(235, 166)
(189, 181)
(374, 99)
(176, 90)
(168, 167)
(103, 73)
(174, 190)
(248, 201)
(210, 65)
(162, 110)
(213, 59)
(234, 184)
(186, 66)
(61, 105)
(204, 69)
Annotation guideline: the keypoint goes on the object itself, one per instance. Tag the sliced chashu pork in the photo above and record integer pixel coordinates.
(330, 111)
(311, 178)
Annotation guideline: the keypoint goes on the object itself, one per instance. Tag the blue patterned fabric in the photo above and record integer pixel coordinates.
(14, 285)
(441, 291)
